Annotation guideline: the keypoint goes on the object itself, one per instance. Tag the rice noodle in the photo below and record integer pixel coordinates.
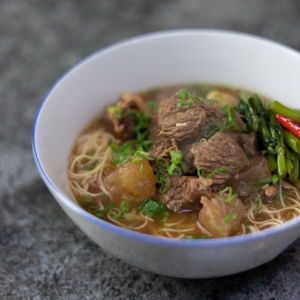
(272, 215)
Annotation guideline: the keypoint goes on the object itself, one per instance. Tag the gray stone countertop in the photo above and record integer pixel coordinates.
(43, 255)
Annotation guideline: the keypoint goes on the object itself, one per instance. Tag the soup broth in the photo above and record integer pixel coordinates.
(187, 162)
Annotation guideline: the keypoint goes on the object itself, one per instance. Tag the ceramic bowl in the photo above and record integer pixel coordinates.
(159, 59)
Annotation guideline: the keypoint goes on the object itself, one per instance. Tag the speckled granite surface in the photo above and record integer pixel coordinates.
(42, 254)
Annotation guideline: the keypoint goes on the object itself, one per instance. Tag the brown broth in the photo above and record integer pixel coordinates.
(177, 225)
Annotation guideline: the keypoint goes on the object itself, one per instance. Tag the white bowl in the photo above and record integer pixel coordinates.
(159, 59)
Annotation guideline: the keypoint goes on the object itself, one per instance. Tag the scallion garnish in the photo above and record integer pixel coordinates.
(230, 217)
(217, 171)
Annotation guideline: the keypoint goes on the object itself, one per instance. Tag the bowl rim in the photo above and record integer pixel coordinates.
(135, 235)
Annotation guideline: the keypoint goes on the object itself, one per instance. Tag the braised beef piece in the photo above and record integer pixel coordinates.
(248, 142)
(214, 118)
(219, 218)
(123, 127)
(183, 126)
(185, 147)
(184, 192)
(221, 150)
(244, 183)
(180, 123)
(162, 147)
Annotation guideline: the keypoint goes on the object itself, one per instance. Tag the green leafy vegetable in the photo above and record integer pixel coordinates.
(230, 217)
(274, 140)
(231, 119)
(154, 210)
(273, 180)
(294, 174)
(287, 112)
(272, 164)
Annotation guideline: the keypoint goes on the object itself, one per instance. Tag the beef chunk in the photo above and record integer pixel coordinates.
(248, 142)
(184, 191)
(123, 127)
(221, 219)
(221, 150)
(179, 123)
(188, 156)
(244, 183)
(162, 147)
(214, 115)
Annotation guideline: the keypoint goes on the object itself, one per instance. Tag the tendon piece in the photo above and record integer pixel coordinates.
(219, 218)
(134, 179)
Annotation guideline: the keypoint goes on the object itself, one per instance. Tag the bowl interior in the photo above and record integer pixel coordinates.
(156, 60)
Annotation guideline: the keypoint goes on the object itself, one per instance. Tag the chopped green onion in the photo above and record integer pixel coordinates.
(124, 206)
(230, 217)
(140, 155)
(200, 172)
(186, 98)
(228, 195)
(122, 153)
(176, 157)
(217, 171)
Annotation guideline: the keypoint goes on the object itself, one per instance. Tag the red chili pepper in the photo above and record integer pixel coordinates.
(290, 125)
